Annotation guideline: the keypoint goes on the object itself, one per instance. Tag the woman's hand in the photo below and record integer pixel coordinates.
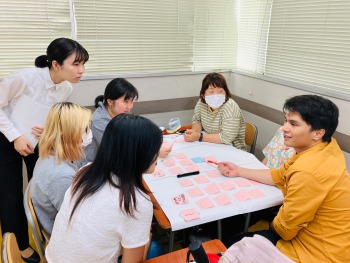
(23, 146)
(228, 169)
(191, 135)
(165, 150)
(37, 130)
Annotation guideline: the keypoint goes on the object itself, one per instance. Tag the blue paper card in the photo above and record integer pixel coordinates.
(198, 159)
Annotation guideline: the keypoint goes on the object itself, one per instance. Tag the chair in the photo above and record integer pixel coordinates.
(251, 135)
(10, 252)
(40, 238)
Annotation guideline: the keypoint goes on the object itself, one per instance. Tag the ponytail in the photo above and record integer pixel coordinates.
(99, 99)
(41, 62)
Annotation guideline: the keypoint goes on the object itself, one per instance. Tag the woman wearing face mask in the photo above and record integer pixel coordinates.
(66, 132)
(217, 115)
(41, 86)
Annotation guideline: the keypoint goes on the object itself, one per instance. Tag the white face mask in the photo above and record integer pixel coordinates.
(87, 138)
(215, 101)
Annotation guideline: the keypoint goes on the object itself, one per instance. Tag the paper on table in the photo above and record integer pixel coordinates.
(212, 188)
(189, 214)
(242, 182)
(198, 159)
(26, 115)
(253, 182)
(210, 158)
(227, 185)
(158, 173)
(180, 156)
(180, 199)
(175, 170)
(205, 203)
(256, 193)
(169, 162)
(213, 174)
(242, 196)
(222, 199)
(186, 162)
(186, 183)
(201, 179)
(192, 168)
(195, 192)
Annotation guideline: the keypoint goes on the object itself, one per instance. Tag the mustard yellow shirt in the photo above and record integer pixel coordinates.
(314, 220)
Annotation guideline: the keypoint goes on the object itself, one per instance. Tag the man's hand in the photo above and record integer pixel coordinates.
(228, 169)
(22, 146)
(191, 135)
(37, 130)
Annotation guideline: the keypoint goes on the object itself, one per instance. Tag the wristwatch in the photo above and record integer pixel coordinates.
(200, 137)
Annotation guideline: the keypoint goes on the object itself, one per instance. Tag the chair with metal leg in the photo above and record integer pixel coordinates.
(40, 239)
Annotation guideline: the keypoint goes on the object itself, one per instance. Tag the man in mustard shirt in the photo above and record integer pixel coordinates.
(313, 223)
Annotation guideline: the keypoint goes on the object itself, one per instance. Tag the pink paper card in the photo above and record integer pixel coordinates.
(242, 182)
(205, 203)
(169, 162)
(186, 183)
(202, 179)
(253, 182)
(180, 156)
(212, 188)
(227, 185)
(192, 168)
(189, 214)
(175, 170)
(222, 199)
(195, 192)
(242, 196)
(210, 158)
(180, 199)
(186, 162)
(179, 140)
(213, 174)
(256, 193)
(158, 173)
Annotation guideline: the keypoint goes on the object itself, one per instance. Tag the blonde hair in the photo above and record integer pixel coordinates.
(62, 136)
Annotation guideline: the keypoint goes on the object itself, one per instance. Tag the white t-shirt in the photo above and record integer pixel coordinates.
(98, 229)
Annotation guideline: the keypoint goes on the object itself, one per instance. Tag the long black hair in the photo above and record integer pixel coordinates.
(130, 144)
(115, 89)
(59, 49)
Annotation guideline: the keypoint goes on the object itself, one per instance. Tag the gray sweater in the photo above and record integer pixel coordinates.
(100, 120)
(48, 186)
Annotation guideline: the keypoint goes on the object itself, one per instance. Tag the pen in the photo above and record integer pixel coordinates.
(187, 174)
(213, 162)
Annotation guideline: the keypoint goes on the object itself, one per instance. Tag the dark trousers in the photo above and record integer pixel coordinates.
(12, 215)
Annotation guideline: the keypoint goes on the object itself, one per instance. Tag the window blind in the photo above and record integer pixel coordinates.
(26, 29)
(309, 43)
(253, 29)
(215, 35)
(136, 35)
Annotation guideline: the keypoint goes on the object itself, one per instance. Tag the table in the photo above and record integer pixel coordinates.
(213, 246)
(166, 186)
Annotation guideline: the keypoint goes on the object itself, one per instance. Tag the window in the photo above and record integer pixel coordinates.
(26, 28)
(134, 36)
(309, 43)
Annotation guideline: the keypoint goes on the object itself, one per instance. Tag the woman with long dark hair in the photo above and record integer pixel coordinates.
(107, 211)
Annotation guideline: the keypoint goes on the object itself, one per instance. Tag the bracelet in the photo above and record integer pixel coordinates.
(200, 137)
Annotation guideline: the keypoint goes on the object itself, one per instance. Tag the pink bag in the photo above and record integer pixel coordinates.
(256, 249)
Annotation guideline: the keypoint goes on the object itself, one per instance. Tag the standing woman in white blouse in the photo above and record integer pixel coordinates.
(43, 86)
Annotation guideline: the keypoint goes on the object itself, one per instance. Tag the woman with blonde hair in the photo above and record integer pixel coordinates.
(66, 132)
